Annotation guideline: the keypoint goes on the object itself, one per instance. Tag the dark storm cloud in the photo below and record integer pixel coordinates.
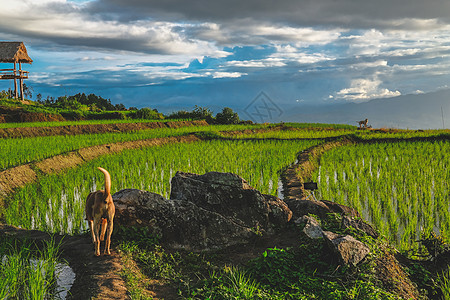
(345, 13)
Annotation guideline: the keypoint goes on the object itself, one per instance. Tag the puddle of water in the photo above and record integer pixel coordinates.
(65, 277)
(280, 189)
(64, 281)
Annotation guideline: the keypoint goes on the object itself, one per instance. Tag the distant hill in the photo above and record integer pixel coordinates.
(422, 111)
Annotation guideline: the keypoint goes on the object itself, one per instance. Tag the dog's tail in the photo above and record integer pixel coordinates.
(102, 234)
(107, 181)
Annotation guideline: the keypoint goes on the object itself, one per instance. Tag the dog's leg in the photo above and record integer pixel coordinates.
(108, 237)
(91, 227)
(97, 238)
(104, 223)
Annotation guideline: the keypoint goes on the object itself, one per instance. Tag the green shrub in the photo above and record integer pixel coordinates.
(73, 115)
(146, 114)
(227, 116)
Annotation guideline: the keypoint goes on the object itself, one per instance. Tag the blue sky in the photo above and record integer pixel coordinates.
(176, 54)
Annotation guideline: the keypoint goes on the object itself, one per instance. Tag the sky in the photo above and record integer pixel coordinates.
(288, 54)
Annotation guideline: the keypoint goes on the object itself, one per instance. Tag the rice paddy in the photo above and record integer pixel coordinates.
(56, 202)
(402, 188)
(27, 273)
(24, 150)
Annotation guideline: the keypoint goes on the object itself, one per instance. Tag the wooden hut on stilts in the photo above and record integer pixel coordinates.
(15, 53)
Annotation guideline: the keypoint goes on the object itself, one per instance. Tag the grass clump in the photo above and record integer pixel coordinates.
(306, 271)
(27, 273)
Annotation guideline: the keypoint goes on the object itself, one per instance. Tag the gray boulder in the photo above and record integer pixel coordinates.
(230, 196)
(312, 228)
(348, 249)
(210, 211)
(180, 224)
(350, 216)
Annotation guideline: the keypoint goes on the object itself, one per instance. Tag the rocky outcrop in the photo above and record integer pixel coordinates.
(180, 224)
(320, 208)
(210, 211)
(217, 210)
(232, 197)
(359, 224)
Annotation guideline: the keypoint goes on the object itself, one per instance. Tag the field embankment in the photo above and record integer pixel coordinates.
(18, 132)
(301, 171)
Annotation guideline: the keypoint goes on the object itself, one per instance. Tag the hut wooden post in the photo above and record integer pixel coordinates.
(15, 81)
(21, 81)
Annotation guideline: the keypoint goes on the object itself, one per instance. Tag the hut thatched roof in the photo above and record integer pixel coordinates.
(14, 52)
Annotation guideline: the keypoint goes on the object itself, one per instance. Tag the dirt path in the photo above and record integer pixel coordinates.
(307, 161)
(97, 277)
(92, 128)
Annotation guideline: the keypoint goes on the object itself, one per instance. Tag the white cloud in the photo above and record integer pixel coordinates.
(370, 64)
(65, 23)
(289, 53)
(361, 90)
(300, 36)
(227, 74)
(262, 63)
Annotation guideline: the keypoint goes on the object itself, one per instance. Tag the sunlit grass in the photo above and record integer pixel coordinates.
(23, 150)
(56, 202)
(402, 188)
(27, 273)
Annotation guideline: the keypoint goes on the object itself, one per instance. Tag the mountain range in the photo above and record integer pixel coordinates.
(415, 111)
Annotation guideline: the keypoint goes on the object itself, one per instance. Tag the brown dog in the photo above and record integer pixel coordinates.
(100, 212)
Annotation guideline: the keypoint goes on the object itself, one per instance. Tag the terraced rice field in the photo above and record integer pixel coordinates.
(402, 188)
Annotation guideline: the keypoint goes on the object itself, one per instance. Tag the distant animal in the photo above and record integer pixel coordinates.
(363, 123)
(100, 212)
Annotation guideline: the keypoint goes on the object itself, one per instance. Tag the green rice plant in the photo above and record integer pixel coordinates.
(56, 202)
(401, 188)
(23, 150)
(443, 281)
(296, 134)
(26, 274)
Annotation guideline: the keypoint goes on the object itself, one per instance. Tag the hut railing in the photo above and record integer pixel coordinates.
(13, 74)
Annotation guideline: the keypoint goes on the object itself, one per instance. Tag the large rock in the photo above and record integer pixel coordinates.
(230, 196)
(348, 249)
(180, 224)
(210, 211)
(319, 208)
(304, 207)
(279, 212)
